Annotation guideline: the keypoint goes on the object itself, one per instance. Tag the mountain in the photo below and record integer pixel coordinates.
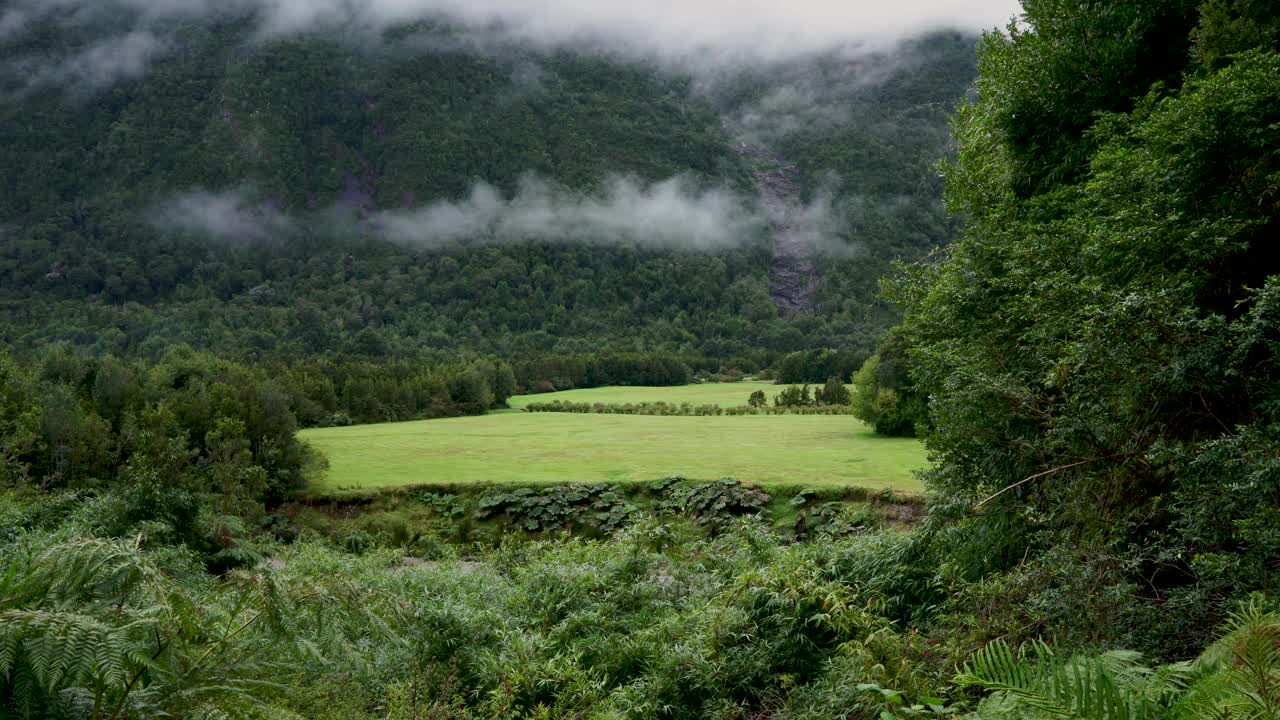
(414, 193)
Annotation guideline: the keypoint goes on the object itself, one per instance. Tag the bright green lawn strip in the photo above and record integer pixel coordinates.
(816, 451)
(722, 394)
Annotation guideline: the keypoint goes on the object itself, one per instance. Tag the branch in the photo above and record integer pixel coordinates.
(1052, 471)
(225, 639)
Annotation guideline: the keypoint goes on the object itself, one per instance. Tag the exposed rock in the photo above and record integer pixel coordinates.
(793, 276)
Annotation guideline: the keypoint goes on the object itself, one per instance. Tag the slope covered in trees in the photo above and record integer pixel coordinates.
(274, 197)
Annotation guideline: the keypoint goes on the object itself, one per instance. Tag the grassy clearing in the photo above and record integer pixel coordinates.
(815, 451)
(722, 394)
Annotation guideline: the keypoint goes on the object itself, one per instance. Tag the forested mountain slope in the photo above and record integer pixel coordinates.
(411, 193)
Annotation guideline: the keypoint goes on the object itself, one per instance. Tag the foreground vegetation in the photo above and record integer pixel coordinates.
(662, 620)
(820, 450)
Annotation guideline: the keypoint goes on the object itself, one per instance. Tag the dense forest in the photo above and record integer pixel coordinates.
(268, 199)
(1093, 363)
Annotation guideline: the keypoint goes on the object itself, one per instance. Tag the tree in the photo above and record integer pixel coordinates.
(793, 396)
(1092, 347)
(833, 393)
(502, 381)
(1230, 27)
(884, 396)
(231, 470)
(757, 399)
(470, 391)
(115, 388)
(1041, 82)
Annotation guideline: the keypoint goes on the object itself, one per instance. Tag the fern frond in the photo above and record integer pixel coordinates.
(91, 568)
(61, 650)
(1108, 687)
(1240, 674)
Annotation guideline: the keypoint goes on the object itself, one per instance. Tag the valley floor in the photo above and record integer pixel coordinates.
(819, 451)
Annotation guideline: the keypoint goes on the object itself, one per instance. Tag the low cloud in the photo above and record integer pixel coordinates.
(12, 23)
(820, 92)
(232, 216)
(788, 108)
(679, 29)
(96, 66)
(819, 226)
(689, 32)
(114, 59)
(672, 213)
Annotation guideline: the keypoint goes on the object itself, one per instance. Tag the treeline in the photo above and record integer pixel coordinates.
(73, 421)
(684, 409)
(188, 425)
(336, 392)
(817, 365)
(566, 372)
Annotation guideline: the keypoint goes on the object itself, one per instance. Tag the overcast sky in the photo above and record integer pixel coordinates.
(667, 28)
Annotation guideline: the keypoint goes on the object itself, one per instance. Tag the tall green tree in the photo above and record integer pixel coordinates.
(1093, 347)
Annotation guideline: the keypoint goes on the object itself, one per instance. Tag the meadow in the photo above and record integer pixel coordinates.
(817, 451)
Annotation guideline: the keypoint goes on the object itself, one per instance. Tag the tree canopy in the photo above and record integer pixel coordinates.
(1099, 348)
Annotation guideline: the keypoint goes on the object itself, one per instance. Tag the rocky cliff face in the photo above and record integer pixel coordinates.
(793, 276)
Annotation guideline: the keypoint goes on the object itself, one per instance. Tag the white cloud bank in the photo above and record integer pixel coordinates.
(104, 63)
(232, 216)
(670, 29)
(674, 213)
(671, 213)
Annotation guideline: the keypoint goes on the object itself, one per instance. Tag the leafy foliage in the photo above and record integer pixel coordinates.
(1091, 349)
(1237, 678)
(712, 504)
(598, 507)
(884, 395)
(188, 424)
(655, 621)
(94, 628)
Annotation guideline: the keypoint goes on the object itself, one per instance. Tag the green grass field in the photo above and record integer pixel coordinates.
(722, 394)
(817, 451)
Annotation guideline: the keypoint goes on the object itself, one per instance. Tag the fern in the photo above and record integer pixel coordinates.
(1236, 679)
(96, 630)
(1112, 686)
(91, 569)
(1240, 674)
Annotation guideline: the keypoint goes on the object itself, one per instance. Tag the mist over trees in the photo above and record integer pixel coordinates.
(305, 195)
